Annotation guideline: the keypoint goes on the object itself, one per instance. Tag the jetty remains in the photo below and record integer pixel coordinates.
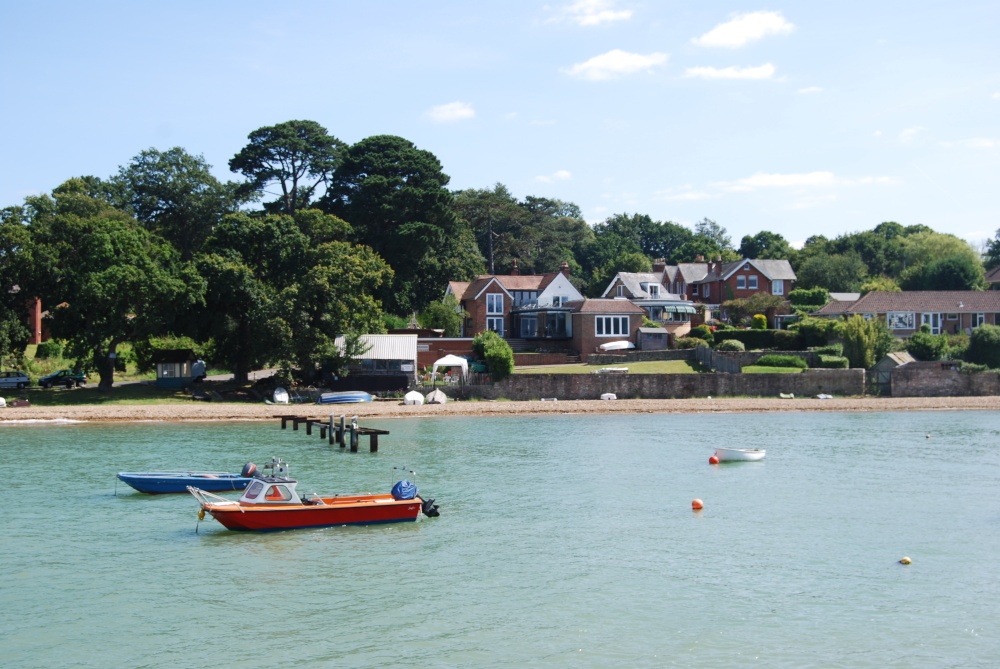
(336, 431)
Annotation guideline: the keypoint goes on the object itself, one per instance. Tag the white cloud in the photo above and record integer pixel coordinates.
(906, 136)
(975, 143)
(809, 90)
(451, 112)
(996, 96)
(799, 180)
(616, 63)
(685, 193)
(558, 175)
(591, 13)
(765, 71)
(745, 28)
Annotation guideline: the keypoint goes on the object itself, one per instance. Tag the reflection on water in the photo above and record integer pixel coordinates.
(563, 541)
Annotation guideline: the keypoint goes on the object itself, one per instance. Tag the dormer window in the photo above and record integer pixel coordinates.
(653, 290)
(620, 291)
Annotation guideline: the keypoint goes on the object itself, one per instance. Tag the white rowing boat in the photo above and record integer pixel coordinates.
(739, 454)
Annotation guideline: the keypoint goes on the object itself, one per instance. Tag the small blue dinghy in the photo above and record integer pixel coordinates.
(344, 397)
(158, 483)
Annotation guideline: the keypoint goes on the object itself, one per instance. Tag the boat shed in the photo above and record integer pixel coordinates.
(653, 339)
(385, 355)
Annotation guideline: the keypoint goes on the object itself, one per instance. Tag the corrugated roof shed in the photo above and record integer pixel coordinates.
(386, 346)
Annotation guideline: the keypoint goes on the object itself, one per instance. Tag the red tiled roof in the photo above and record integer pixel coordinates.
(928, 301)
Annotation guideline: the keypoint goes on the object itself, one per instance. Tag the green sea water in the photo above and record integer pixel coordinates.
(563, 541)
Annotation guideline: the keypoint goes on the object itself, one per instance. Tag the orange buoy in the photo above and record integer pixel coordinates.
(714, 460)
(696, 505)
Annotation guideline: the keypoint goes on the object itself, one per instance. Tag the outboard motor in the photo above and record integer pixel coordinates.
(430, 509)
(249, 469)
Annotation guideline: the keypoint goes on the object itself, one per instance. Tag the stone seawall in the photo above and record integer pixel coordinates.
(931, 380)
(838, 382)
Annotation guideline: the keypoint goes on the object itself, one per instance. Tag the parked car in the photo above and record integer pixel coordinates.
(64, 377)
(13, 379)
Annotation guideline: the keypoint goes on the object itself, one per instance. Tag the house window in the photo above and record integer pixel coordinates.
(653, 290)
(753, 281)
(620, 291)
(952, 317)
(611, 326)
(495, 324)
(494, 303)
(778, 287)
(694, 289)
(978, 319)
(706, 291)
(901, 320)
(741, 282)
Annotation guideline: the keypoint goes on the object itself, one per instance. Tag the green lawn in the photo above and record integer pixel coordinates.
(650, 367)
(129, 393)
(756, 369)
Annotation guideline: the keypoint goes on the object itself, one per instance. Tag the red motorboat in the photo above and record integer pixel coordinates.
(270, 502)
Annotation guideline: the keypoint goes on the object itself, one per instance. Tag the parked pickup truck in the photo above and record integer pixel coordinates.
(64, 377)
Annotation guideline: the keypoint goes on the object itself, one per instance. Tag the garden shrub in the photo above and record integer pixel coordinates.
(972, 368)
(831, 362)
(759, 322)
(830, 349)
(730, 345)
(923, 345)
(689, 342)
(703, 332)
(984, 346)
(787, 340)
(752, 339)
(496, 352)
(775, 360)
(49, 349)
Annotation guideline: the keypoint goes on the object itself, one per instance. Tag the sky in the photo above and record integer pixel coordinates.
(799, 118)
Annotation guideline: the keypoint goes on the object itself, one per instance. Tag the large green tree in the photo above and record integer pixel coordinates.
(297, 157)
(395, 197)
(107, 280)
(766, 245)
(15, 270)
(174, 194)
(836, 272)
(498, 222)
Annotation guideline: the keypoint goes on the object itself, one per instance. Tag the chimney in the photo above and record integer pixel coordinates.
(564, 268)
(659, 266)
(514, 270)
(699, 258)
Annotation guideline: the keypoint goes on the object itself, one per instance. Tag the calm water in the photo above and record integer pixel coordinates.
(563, 541)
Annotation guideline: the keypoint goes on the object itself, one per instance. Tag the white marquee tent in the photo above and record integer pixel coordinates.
(453, 361)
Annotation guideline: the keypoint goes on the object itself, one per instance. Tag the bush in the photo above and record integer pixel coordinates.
(925, 346)
(774, 360)
(815, 331)
(787, 340)
(752, 339)
(49, 349)
(972, 368)
(496, 352)
(805, 298)
(759, 322)
(832, 362)
(689, 342)
(730, 345)
(830, 349)
(703, 332)
(984, 346)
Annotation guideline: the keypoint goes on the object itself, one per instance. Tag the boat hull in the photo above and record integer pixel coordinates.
(329, 511)
(739, 454)
(159, 483)
(346, 397)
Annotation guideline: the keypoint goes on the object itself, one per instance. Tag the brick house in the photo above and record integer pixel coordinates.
(529, 306)
(599, 321)
(717, 282)
(945, 311)
(648, 291)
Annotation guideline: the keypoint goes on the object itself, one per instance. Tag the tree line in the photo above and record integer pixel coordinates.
(321, 238)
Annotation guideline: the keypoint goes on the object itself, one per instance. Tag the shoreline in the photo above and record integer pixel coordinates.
(224, 411)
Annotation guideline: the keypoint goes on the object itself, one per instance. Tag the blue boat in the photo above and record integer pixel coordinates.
(344, 397)
(157, 483)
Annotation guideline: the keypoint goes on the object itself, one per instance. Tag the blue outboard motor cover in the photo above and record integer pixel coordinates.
(404, 490)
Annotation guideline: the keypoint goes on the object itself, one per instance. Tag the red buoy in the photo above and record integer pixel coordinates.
(714, 460)
(696, 505)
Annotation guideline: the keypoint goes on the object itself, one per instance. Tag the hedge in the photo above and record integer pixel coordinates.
(775, 360)
(832, 362)
(690, 342)
(730, 345)
(752, 339)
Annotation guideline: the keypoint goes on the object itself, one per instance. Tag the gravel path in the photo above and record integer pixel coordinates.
(201, 411)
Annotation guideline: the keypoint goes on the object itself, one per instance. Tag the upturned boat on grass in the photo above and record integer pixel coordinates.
(157, 483)
(271, 502)
(739, 454)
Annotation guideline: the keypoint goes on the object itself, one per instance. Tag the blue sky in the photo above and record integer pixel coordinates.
(793, 117)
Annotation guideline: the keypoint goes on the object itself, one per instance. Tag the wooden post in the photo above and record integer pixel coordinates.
(295, 423)
(330, 442)
(322, 430)
(354, 435)
(373, 442)
(342, 433)
(284, 422)
(309, 428)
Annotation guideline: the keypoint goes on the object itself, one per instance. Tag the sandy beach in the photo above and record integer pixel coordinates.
(224, 411)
